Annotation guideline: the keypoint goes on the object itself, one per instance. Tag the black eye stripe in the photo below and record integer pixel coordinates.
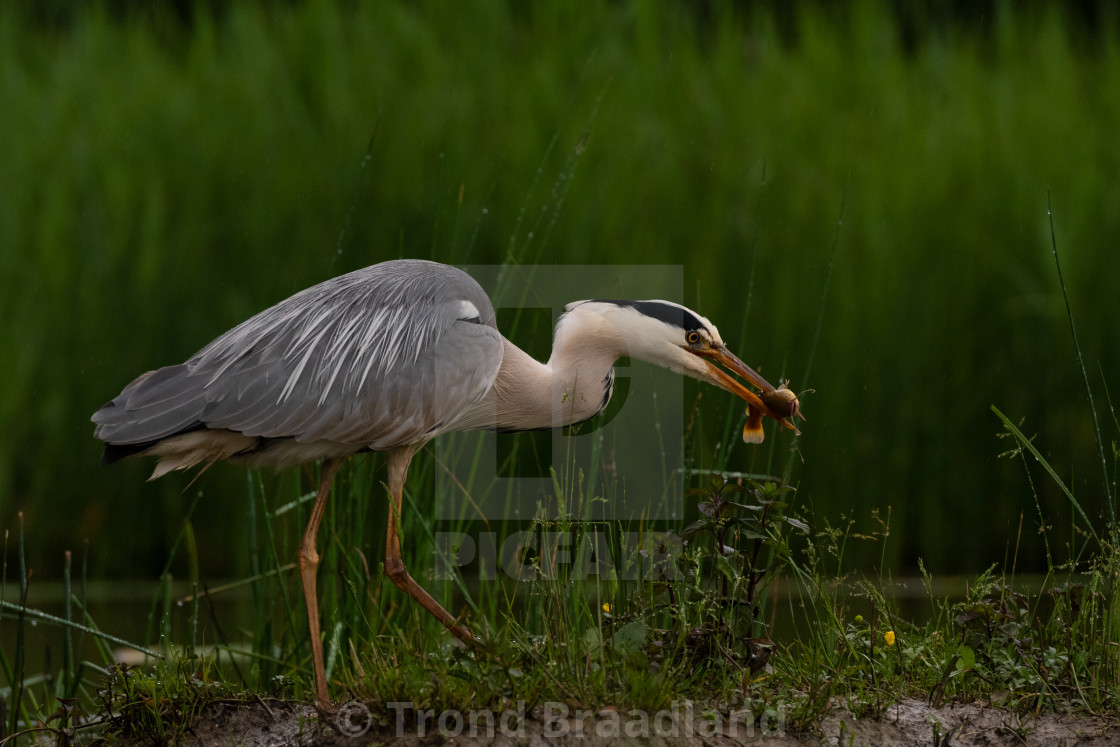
(674, 315)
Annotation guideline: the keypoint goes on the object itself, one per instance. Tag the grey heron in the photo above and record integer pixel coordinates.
(385, 359)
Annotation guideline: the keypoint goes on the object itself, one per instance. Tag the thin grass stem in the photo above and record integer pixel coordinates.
(67, 640)
(1026, 443)
(17, 682)
(1084, 373)
(348, 221)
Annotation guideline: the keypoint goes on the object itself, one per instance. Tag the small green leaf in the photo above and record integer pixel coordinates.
(592, 640)
(729, 572)
(693, 528)
(968, 658)
(797, 524)
(629, 638)
(743, 506)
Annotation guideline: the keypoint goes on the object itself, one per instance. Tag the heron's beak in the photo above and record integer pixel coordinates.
(757, 407)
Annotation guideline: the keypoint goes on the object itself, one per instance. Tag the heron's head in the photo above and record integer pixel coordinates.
(683, 341)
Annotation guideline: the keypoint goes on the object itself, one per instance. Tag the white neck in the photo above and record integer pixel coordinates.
(573, 386)
(576, 382)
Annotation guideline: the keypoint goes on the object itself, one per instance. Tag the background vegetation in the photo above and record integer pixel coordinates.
(162, 180)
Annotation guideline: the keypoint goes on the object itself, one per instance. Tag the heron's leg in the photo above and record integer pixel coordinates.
(308, 564)
(397, 461)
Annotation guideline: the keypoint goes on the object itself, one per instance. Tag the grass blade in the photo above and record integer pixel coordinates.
(68, 640)
(824, 289)
(1022, 439)
(35, 614)
(1084, 374)
(21, 618)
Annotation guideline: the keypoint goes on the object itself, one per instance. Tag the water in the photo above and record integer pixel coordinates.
(136, 611)
(124, 609)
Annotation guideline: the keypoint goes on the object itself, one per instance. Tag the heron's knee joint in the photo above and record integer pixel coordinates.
(395, 570)
(308, 559)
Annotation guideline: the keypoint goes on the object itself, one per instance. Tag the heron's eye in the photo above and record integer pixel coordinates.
(693, 338)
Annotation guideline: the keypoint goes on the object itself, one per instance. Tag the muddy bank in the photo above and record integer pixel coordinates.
(264, 723)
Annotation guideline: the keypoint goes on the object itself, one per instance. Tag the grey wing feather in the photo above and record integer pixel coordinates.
(380, 357)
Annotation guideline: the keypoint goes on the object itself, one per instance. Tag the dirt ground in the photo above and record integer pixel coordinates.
(277, 723)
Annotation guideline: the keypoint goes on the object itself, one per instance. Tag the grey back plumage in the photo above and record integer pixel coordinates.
(381, 357)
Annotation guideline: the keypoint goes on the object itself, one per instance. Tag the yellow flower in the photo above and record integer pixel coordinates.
(607, 608)
(889, 637)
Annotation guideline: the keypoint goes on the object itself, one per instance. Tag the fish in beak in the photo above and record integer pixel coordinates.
(779, 403)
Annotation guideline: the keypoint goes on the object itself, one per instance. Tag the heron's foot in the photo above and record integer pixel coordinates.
(463, 634)
(349, 720)
(480, 644)
(326, 710)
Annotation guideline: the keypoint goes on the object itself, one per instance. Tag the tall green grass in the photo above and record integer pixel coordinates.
(160, 184)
